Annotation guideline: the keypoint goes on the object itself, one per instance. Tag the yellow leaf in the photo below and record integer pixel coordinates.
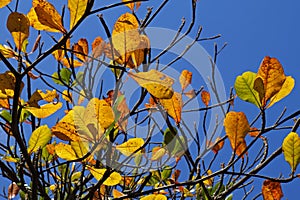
(48, 16)
(291, 150)
(101, 111)
(18, 26)
(10, 159)
(66, 95)
(45, 110)
(271, 190)
(113, 179)
(35, 23)
(71, 63)
(155, 82)
(77, 9)
(60, 53)
(208, 182)
(136, 58)
(125, 36)
(154, 197)
(82, 48)
(132, 145)
(39, 138)
(38, 95)
(173, 106)
(81, 97)
(4, 3)
(6, 51)
(272, 74)
(205, 97)
(157, 153)
(132, 5)
(236, 128)
(7, 85)
(65, 151)
(80, 148)
(185, 79)
(285, 90)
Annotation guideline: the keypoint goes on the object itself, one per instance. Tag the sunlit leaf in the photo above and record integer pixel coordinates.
(285, 90)
(4, 103)
(4, 3)
(185, 79)
(208, 182)
(271, 190)
(158, 153)
(10, 159)
(80, 122)
(272, 74)
(60, 52)
(129, 147)
(47, 15)
(190, 94)
(113, 179)
(65, 151)
(155, 82)
(39, 95)
(39, 138)
(132, 5)
(136, 57)
(63, 77)
(6, 115)
(35, 23)
(98, 47)
(77, 9)
(82, 48)
(218, 145)
(291, 150)
(68, 62)
(173, 106)
(244, 87)
(205, 97)
(18, 26)
(259, 87)
(236, 128)
(117, 194)
(66, 95)
(45, 110)
(6, 51)
(154, 197)
(13, 190)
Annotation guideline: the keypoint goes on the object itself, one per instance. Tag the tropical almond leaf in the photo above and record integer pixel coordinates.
(291, 150)
(129, 147)
(39, 95)
(236, 128)
(185, 78)
(285, 90)
(18, 25)
(155, 82)
(173, 106)
(45, 110)
(4, 3)
(272, 74)
(113, 179)
(244, 87)
(48, 16)
(65, 151)
(81, 48)
(205, 97)
(39, 138)
(271, 190)
(35, 23)
(77, 9)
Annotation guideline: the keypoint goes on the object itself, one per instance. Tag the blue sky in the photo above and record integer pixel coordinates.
(252, 29)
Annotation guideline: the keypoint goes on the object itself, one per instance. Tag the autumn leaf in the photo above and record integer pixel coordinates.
(285, 90)
(71, 63)
(155, 82)
(185, 79)
(117, 194)
(132, 5)
(272, 74)
(82, 48)
(236, 128)
(39, 95)
(244, 87)
(208, 182)
(77, 9)
(271, 190)
(154, 197)
(4, 3)
(132, 145)
(65, 151)
(218, 145)
(45, 110)
(7, 52)
(18, 26)
(136, 57)
(291, 150)
(60, 52)
(113, 179)
(205, 97)
(173, 106)
(66, 95)
(13, 190)
(158, 153)
(45, 14)
(39, 138)
(98, 46)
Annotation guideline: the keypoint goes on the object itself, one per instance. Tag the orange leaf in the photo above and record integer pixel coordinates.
(205, 97)
(236, 128)
(185, 79)
(218, 145)
(173, 106)
(190, 94)
(71, 63)
(4, 3)
(98, 46)
(18, 26)
(272, 74)
(132, 5)
(254, 132)
(271, 190)
(82, 48)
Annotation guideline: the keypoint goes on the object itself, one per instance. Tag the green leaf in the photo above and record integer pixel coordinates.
(6, 115)
(168, 138)
(244, 87)
(166, 172)
(291, 150)
(24, 115)
(65, 75)
(79, 79)
(39, 138)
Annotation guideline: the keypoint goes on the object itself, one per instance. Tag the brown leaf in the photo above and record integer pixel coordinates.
(185, 79)
(7, 85)
(272, 74)
(98, 46)
(218, 145)
(271, 190)
(82, 48)
(205, 97)
(173, 106)
(18, 26)
(13, 190)
(236, 128)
